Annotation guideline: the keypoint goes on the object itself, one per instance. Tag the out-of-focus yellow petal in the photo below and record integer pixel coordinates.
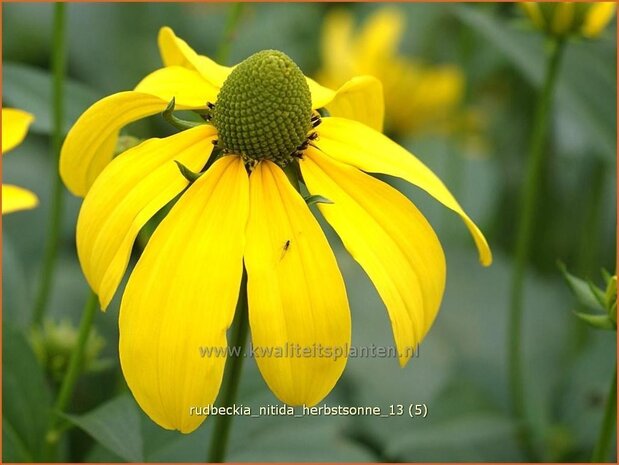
(597, 18)
(360, 99)
(16, 198)
(358, 145)
(336, 47)
(534, 13)
(181, 296)
(91, 142)
(389, 238)
(297, 299)
(188, 87)
(176, 52)
(379, 37)
(563, 18)
(129, 191)
(15, 125)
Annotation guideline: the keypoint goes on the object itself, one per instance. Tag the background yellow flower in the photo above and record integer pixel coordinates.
(418, 97)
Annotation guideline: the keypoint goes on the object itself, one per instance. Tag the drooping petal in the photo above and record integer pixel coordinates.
(129, 191)
(16, 198)
(360, 99)
(15, 125)
(91, 142)
(181, 296)
(356, 144)
(176, 52)
(389, 238)
(188, 87)
(598, 17)
(297, 299)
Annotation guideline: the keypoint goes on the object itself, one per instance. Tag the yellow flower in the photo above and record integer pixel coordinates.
(14, 128)
(561, 19)
(418, 97)
(243, 211)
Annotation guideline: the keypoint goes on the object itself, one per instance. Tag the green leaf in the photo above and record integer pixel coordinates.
(26, 400)
(29, 89)
(581, 290)
(189, 175)
(312, 199)
(116, 426)
(584, 88)
(597, 321)
(598, 293)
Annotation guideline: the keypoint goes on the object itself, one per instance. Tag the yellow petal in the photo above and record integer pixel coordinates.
(188, 87)
(389, 238)
(176, 52)
(534, 13)
(129, 191)
(360, 99)
(297, 298)
(15, 125)
(181, 297)
(16, 198)
(598, 17)
(91, 142)
(358, 145)
(321, 95)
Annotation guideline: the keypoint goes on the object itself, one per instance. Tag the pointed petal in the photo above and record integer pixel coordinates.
(188, 87)
(389, 238)
(181, 298)
(16, 198)
(129, 191)
(176, 52)
(15, 125)
(360, 99)
(336, 46)
(357, 145)
(598, 17)
(295, 291)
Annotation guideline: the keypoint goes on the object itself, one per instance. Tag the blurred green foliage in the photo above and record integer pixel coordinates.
(460, 373)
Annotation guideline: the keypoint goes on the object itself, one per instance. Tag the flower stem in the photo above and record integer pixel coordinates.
(234, 15)
(59, 54)
(602, 447)
(70, 377)
(232, 376)
(535, 163)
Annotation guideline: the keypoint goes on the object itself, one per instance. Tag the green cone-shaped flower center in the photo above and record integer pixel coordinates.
(264, 108)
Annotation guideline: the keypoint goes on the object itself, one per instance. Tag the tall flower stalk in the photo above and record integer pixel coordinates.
(535, 162)
(59, 61)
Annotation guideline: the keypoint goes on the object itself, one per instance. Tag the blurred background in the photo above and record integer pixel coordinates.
(460, 83)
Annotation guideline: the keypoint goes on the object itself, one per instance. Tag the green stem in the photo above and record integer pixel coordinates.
(602, 447)
(234, 15)
(234, 363)
(70, 377)
(535, 163)
(59, 53)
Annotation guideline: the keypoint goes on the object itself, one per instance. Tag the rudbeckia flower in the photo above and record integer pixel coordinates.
(418, 97)
(238, 209)
(15, 125)
(561, 19)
